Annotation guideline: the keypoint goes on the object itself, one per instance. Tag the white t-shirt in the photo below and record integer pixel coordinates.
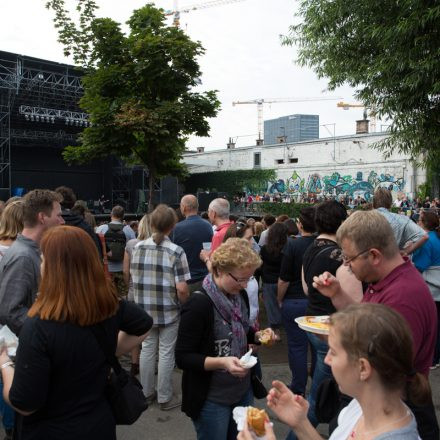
(3, 249)
(252, 291)
(350, 415)
(263, 238)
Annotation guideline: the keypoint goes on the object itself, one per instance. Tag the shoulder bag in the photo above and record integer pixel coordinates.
(123, 391)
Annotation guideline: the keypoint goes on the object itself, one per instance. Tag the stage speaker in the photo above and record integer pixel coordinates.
(205, 199)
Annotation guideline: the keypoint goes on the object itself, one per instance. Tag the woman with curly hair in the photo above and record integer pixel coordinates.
(214, 332)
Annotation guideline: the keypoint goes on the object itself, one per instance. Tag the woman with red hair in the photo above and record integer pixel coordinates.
(61, 372)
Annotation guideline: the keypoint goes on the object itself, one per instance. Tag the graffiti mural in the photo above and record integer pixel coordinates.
(336, 184)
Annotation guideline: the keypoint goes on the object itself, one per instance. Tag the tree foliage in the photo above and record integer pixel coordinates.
(388, 50)
(230, 182)
(137, 88)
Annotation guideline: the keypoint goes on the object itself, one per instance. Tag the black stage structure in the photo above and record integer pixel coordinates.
(39, 116)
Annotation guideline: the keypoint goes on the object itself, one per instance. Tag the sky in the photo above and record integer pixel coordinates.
(244, 60)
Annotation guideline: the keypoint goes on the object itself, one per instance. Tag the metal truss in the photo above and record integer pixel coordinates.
(5, 146)
(39, 91)
(50, 115)
(44, 135)
(16, 75)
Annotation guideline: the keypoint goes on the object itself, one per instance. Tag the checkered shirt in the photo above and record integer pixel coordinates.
(155, 270)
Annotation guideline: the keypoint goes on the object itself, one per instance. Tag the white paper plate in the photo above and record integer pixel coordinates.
(314, 324)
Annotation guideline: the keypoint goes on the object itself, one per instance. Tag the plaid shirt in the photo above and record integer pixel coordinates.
(155, 270)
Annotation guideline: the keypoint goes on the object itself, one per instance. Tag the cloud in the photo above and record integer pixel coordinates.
(244, 59)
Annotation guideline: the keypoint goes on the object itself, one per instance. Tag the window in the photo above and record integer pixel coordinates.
(293, 160)
(257, 159)
(279, 161)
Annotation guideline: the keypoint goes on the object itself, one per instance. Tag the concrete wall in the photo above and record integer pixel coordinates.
(347, 165)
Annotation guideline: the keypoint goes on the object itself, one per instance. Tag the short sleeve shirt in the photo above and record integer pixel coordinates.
(321, 256)
(404, 229)
(190, 234)
(116, 266)
(155, 271)
(405, 291)
(219, 235)
(291, 266)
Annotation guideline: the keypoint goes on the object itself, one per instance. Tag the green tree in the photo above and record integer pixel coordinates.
(388, 51)
(137, 88)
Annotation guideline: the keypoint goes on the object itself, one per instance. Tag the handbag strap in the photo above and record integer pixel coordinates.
(102, 339)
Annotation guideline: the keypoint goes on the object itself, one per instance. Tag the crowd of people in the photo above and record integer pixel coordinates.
(188, 293)
(404, 204)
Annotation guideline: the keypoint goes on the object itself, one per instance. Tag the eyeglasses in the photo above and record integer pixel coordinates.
(240, 225)
(239, 280)
(348, 260)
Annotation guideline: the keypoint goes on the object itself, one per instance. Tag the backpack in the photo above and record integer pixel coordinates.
(115, 242)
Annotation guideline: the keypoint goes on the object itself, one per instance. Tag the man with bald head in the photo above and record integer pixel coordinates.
(190, 234)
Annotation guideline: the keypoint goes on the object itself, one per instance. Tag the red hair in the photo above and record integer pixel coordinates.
(74, 287)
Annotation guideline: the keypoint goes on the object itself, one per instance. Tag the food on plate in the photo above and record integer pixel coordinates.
(266, 337)
(313, 322)
(256, 419)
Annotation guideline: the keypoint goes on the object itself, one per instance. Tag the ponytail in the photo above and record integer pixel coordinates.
(418, 390)
(158, 237)
(162, 220)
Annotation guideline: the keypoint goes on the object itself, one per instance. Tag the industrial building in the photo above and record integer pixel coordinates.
(339, 165)
(291, 128)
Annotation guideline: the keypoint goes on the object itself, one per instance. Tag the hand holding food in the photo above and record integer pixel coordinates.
(266, 336)
(327, 284)
(256, 419)
(233, 366)
(248, 433)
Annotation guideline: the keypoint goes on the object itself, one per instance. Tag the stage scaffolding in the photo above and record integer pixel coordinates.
(39, 107)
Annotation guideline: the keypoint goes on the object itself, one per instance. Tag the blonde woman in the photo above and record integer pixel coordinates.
(214, 332)
(11, 224)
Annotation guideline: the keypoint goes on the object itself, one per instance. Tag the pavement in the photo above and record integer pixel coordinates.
(155, 424)
(163, 425)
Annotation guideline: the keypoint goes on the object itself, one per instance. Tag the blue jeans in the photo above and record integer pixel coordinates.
(6, 412)
(215, 420)
(271, 305)
(297, 343)
(321, 372)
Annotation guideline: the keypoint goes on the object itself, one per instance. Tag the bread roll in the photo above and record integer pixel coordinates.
(256, 419)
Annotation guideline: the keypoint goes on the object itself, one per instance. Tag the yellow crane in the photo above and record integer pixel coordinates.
(176, 12)
(372, 113)
(260, 103)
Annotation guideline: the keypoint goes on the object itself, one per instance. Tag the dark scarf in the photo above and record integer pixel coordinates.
(231, 311)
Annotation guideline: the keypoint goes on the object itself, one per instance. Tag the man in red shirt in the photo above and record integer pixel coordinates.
(218, 214)
(371, 252)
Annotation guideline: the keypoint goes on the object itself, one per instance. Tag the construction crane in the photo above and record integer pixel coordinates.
(372, 114)
(176, 12)
(262, 101)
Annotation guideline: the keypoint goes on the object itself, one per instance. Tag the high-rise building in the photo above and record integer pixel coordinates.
(292, 128)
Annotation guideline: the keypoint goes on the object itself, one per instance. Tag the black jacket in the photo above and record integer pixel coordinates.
(72, 219)
(195, 342)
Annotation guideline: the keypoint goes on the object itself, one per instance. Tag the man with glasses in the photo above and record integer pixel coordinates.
(371, 251)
